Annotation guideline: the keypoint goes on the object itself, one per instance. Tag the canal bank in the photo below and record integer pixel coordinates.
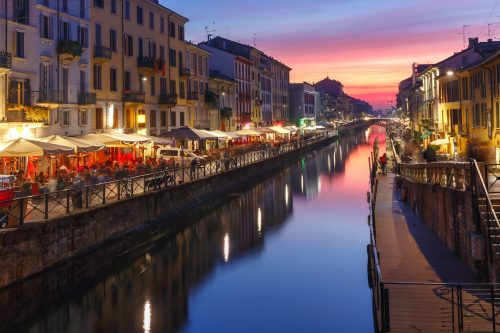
(36, 247)
(286, 255)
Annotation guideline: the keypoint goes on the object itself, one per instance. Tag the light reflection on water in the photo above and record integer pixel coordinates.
(287, 256)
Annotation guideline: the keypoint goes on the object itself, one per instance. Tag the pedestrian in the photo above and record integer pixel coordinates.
(192, 170)
(383, 163)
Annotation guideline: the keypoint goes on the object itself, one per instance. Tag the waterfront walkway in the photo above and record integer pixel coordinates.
(428, 288)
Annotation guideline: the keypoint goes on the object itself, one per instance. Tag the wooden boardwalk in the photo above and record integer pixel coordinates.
(410, 252)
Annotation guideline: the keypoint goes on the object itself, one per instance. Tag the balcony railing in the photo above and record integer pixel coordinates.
(184, 72)
(168, 99)
(69, 49)
(52, 97)
(85, 98)
(5, 60)
(102, 53)
(134, 97)
(193, 96)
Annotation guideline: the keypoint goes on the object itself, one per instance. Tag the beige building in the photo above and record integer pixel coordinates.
(136, 78)
(196, 62)
(224, 87)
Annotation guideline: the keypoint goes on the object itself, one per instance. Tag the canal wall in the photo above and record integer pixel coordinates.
(449, 214)
(39, 246)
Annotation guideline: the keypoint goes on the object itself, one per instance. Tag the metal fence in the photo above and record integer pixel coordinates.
(454, 175)
(45, 206)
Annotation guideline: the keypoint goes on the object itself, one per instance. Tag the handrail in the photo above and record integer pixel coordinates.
(485, 189)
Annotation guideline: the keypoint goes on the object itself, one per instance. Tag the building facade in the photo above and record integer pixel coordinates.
(197, 86)
(303, 97)
(225, 89)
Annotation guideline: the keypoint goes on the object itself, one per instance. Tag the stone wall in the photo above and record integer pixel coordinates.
(36, 247)
(449, 214)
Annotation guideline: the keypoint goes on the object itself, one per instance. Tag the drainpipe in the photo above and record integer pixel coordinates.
(123, 65)
(168, 65)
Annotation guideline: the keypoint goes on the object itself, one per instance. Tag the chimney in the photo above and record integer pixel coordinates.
(473, 41)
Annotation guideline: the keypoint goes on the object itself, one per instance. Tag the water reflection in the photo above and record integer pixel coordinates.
(251, 253)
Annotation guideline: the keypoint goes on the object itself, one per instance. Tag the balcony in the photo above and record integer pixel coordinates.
(149, 65)
(102, 54)
(28, 115)
(85, 98)
(184, 72)
(192, 96)
(69, 50)
(5, 62)
(168, 99)
(52, 97)
(136, 97)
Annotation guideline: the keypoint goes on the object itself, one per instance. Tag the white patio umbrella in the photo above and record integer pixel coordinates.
(79, 145)
(27, 147)
(439, 142)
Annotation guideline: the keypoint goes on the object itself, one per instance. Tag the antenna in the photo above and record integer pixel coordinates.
(463, 34)
(255, 40)
(491, 31)
(210, 32)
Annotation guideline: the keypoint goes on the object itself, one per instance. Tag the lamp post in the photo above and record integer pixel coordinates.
(223, 105)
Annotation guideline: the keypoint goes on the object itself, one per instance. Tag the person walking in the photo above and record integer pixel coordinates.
(383, 163)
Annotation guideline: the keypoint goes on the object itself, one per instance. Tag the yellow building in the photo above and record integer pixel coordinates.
(196, 62)
(135, 77)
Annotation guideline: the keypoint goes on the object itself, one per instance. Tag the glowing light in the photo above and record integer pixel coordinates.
(286, 195)
(497, 151)
(111, 115)
(302, 183)
(19, 132)
(319, 184)
(259, 220)
(141, 118)
(146, 324)
(329, 164)
(450, 73)
(226, 248)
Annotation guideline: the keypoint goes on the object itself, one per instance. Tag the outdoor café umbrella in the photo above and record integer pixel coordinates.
(190, 133)
(26, 147)
(439, 142)
(79, 145)
(115, 139)
(248, 132)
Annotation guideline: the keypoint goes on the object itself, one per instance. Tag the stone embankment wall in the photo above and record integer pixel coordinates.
(449, 214)
(35, 247)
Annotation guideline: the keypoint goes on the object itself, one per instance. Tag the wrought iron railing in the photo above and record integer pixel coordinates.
(5, 60)
(455, 175)
(44, 206)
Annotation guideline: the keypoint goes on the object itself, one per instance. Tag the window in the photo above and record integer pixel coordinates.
(141, 118)
(83, 36)
(182, 90)
(181, 32)
(163, 86)
(152, 118)
(129, 45)
(152, 85)
(173, 89)
(83, 115)
(83, 86)
(171, 29)
(66, 31)
(173, 118)
(65, 6)
(139, 43)
(476, 119)
(97, 77)
(19, 44)
(112, 79)
(65, 84)
(139, 15)
(181, 119)
(21, 11)
(98, 39)
(82, 9)
(162, 52)
(99, 118)
(113, 6)
(151, 20)
(173, 58)
(497, 115)
(127, 9)
(127, 80)
(112, 40)
(163, 118)
(99, 3)
(46, 24)
(142, 79)
(484, 115)
(162, 25)
(65, 117)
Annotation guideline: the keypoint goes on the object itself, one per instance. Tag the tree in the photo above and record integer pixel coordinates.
(226, 113)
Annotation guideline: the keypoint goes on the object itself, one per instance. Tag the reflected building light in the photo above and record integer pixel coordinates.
(226, 248)
(329, 164)
(146, 324)
(367, 134)
(340, 153)
(286, 195)
(259, 220)
(302, 183)
(334, 161)
(319, 185)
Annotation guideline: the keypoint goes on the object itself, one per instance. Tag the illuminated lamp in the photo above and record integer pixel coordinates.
(141, 118)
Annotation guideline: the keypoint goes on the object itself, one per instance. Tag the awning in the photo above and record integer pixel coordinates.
(265, 130)
(218, 134)
(25, 147)
(156, 140)
(190, 133)
(280, 130)
(115, 139)
(309, 128)
(248, 132)
(79, 145)
(228, 135)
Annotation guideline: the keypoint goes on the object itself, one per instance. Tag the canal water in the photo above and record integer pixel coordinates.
(288, 255)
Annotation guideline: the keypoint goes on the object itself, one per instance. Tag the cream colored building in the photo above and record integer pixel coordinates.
(225, 88)
(137, 53)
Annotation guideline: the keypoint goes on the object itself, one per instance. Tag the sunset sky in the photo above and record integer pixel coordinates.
(368, 45)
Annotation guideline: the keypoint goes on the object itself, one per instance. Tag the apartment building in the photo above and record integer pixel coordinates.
(200, 101)
(137, 49)
(280, 85)
(225, 88)
(45, 64)
(265, 100)
(303, 100)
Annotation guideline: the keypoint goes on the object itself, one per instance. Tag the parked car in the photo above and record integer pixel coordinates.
(178, 154)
